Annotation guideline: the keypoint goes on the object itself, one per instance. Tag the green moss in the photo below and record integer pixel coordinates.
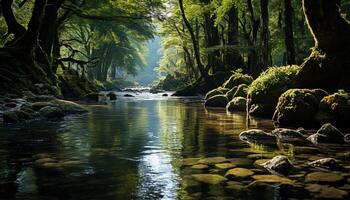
(217, 91)
(237, 79)
(264, 92)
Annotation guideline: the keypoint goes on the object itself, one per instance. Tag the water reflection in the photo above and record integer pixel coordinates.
(129, 149)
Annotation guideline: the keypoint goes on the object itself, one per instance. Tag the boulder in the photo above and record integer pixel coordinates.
(217, 91)
(298, 106)
(112, 96)
(39, 105)
(335, 108)
(217, 101)
(237, 79)
(279, 165)
(264, 92)
(327, 134)
(326, 192)
(324, 178)
(212, 160)
(273, 179)
(231, 93)
(165, 95)
(257, 136)
(237, 104)
(92, 97)
(69, 107)
(327, 163)
(51, 112)
(285, 134)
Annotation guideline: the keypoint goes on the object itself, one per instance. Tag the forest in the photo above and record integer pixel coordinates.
(199, 97)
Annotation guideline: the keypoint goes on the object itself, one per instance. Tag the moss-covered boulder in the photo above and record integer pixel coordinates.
(264, 92)
(69, 107)
(237, 79)
(217, 91)
(298, 106)
(51, 112)
(230, 94)
(335, 108)
(219, 101)
(237, 104)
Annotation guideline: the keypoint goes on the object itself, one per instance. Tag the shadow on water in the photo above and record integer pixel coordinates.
(129, 149)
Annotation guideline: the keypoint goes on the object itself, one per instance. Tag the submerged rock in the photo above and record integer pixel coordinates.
(212, 160)
(128, 95)
(285, 134)
(225, 166)
(92, 97)
(200, 166)
(279, 165)
(238, 173)
(217, 101)
(272, 179)
(257, 136)
(212, 179)
(237, 104)
(327, 163)
(326, 192)
(324, 177)
(10, 117)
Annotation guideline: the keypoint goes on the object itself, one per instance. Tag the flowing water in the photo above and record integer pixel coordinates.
(134, 148)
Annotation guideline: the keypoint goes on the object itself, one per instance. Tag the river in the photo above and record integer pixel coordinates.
(133, 148)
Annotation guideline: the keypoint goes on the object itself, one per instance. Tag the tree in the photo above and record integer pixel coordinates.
(289, 35)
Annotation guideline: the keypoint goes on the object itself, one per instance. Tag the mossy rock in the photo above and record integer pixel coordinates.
(69, 107)
(230, 94)
(212, 179)
(219, 101)
(298, 106)
(51, 112)
(269, 86)
(237, 79)
(335, 108)
(217, 91)
(238, 104)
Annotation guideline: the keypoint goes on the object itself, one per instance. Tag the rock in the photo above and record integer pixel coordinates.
(335, 108)
(237, 104)
(200, 166)
(297, 106)
(272, 179)
(217, 91)
(92, 97)
(327, 163)
(10, 117)
(22, 115)
(237, 79)
(51, 112)
(10, 105)
(285, 134)
(241, 91)
(225, 166)
(347, 138)
(211, 179)
(260, 162)
(112, 96)
(238, 173)
(241, 162)
(327, 134)
(324, 177)
(69, 107)
(217, 101)
(265, 91)
(190, 161)
(326, 192)
(128, 95)
(41, 98)
(165, 95)
(39, 105)
(212, 160)
(279, 165)
(257, 136)
(234, 185)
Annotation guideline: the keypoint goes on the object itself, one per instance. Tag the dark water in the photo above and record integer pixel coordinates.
(129, 149)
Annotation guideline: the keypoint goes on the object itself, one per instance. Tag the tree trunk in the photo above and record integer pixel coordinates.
(288, 32)
(233, 58)
(13, 27)
(265, 34)
(328, 65)
(200, 66)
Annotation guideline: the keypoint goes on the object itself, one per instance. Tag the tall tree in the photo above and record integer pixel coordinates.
(288, 32)
(265, 33)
